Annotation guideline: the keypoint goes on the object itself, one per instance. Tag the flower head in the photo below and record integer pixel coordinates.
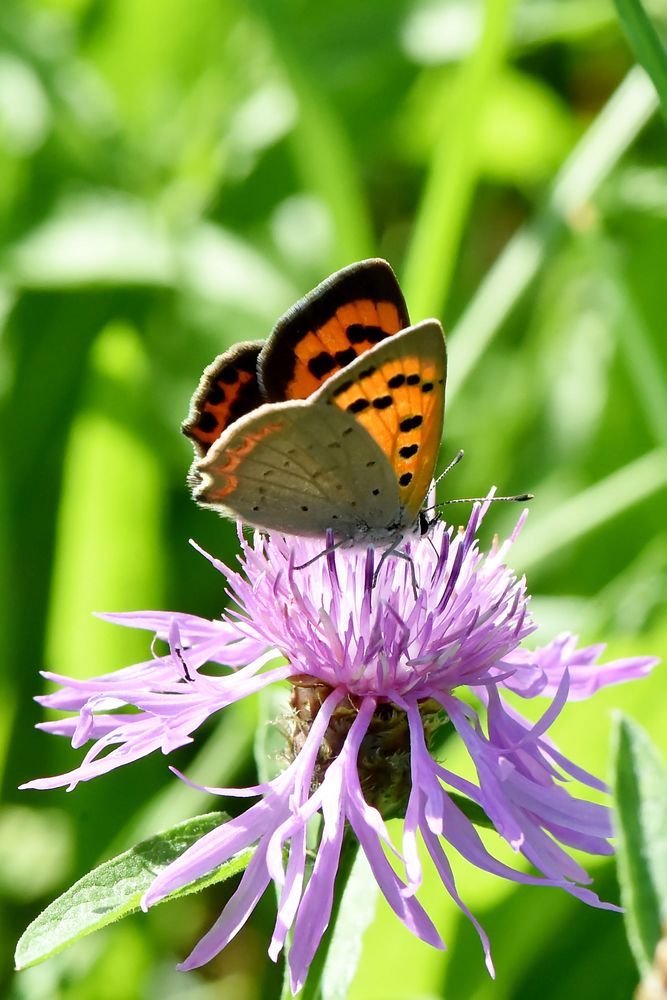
(377, 670)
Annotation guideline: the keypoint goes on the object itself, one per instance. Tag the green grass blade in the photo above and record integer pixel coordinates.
(591, 508)
(590, 163)
(640, 787)
(645, 44)
(642, 357)
(452, 178)
(322, 147)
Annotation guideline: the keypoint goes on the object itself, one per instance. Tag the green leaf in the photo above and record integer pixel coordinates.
(357, 910)
(645, 44)
(114, 889)
(471, 810)
(640, 783)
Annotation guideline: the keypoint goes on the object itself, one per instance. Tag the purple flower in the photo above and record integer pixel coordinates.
(377, 671)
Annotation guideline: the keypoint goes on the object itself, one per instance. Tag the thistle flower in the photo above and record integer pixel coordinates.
(376, 671)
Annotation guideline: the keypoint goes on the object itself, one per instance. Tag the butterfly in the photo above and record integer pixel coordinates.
(333, 423)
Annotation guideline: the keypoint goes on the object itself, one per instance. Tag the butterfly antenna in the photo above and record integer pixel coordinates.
(426, 522)
(518, 498)
(455, 461)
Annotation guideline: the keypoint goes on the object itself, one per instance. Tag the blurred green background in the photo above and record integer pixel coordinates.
(174, 175)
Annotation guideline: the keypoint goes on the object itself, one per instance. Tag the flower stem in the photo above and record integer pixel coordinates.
(312, 988)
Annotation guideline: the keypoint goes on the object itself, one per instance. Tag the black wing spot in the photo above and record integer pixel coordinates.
(369, 465)
(382, 402)
(255, 508)
(216, 394)
(411, 423)
(396, 381)
(405, 479)
(207, 421)
(322, 364)
(376, 493)
(348, 430)
(427, 387)
(343, 387)
(357, 406)
(267, 472)
(413, 380)
(367, 372)
(304, 508)
(357, 333)
(346, 357)
(229, 375)
(408, 450)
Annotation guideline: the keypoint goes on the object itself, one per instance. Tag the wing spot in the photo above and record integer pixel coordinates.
(357, 406)
(346, 357)
(405, 479)
(216, 394)
(382, 402)
(367, 372)
(408, 450)
(376, 493)
(396, 381)
(348, 430)
(413, 379)
(304, 508)
(369, 465)
(267, 472)
(255, 508)
(357, 334)
(411, 423)
(427, 387)
(229, 375)
(343, 387)
(207, 421)
(322, 364)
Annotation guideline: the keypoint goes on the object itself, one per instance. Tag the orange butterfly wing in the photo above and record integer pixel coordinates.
(397, 393)
(227, 390)
(347, 315)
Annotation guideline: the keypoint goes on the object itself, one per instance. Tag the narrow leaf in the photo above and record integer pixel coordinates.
(114, 889)
(640, 783)
(645, 44)
(357, 910)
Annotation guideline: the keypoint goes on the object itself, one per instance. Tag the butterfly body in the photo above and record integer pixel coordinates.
(355, 454)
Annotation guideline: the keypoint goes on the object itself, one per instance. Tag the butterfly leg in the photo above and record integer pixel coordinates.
(393, 550)
(325, 552)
